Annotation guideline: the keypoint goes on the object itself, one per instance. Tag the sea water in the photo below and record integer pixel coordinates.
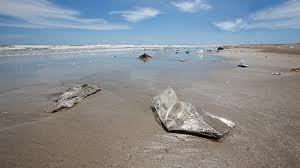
(31, 77)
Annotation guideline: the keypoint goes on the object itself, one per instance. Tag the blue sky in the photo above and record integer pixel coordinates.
(149, 21)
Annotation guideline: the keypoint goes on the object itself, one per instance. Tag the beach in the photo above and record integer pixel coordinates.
(116, 126)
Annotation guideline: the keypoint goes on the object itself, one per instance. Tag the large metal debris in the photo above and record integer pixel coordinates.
(72, 97)
(182, 117)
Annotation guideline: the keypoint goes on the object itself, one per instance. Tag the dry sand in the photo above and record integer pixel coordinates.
(116, 127)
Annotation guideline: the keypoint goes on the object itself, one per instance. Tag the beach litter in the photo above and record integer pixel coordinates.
(72, 97)
(181, 117)
(184, 60)
(242, 64)
(200, 52)
(220, 48)
(276, 73)
(297, 69)
(144, 57)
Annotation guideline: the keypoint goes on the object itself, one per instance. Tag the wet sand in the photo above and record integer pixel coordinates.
(116, 127)
(293, 49)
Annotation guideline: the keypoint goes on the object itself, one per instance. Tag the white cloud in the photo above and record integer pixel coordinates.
(293, 23)
(283, 16)
(236, 25)
(289, 9)
(138, 14)
(192, 6)
(44, 14)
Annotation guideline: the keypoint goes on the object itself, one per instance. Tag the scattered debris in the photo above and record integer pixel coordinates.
(181, 117)
(177, 51)
(184, 60)
(220, 48)
(297, 69)
(276, 73)
(72, 97)
(200, 52)
(187, 52)
(242, 64)
(144, 57)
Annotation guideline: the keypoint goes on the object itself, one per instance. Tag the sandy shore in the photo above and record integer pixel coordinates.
(116, 127)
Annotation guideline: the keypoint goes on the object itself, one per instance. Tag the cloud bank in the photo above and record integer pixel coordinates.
(232, 26)
(283, 16)
(44, 14)
(137, 14)
(192, 6)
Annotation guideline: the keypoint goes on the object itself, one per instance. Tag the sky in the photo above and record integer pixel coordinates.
(149, 21)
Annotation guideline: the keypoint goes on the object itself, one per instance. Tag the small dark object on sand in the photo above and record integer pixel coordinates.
(187, 52)
(72, 97)
(297, 69)
(220, 48)
(181, 117)
(144, 57)
(242, 64)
